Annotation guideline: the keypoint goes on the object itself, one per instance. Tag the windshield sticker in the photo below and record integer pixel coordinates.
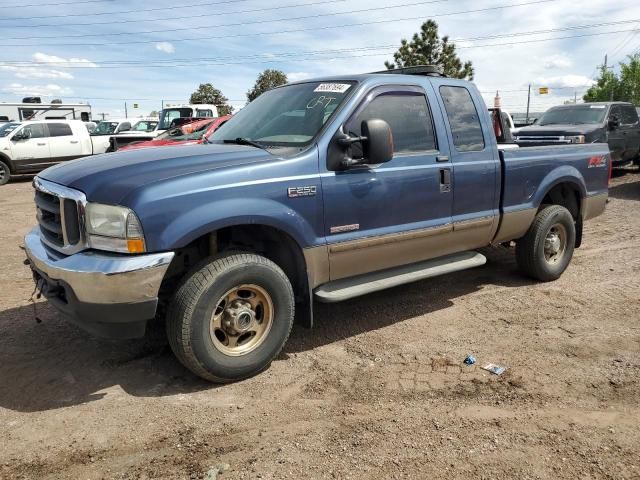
(333, 87)
(322, 101)
(597, 106)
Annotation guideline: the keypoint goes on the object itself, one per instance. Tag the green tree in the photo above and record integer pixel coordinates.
(427, 48)
(630, 79)
(207, 93)
(266, 81)
(607, 87)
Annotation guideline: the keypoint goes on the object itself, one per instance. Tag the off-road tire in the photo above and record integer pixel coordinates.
(190, 313)
(530, 253)
(5, 173)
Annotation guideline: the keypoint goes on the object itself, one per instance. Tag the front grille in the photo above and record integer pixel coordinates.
(60, 213)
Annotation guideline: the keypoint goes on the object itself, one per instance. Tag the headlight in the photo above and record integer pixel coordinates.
(576, 139)
(113, 228)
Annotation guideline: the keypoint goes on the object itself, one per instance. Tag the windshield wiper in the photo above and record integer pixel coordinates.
(246, 141)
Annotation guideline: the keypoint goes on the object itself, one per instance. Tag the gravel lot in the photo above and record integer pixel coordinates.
(377, 390)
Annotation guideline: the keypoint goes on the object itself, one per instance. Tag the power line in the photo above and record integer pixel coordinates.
(139, 10)
(328, 27)
(575, 27)
(270, 58)
(138, 20)
(52, 4)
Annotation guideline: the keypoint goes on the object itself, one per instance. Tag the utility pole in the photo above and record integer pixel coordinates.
(103, 114)
(528, 103)
(125, 110)
(575, 97)
(605, 71)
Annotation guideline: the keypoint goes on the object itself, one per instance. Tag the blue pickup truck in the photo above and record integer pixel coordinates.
(323, 189)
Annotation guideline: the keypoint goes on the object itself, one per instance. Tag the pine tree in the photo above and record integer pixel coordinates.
(427, 48)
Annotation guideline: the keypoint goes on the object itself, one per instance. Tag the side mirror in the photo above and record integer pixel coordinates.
(24, 135)
(377, 145)
(378, 148)
(614, 123)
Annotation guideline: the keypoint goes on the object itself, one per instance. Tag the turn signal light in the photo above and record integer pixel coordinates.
(135, 245)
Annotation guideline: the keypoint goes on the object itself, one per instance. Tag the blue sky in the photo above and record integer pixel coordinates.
(106, 51)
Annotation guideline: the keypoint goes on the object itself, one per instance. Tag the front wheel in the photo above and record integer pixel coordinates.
(547, 248)
(5, 173)
(231, 317)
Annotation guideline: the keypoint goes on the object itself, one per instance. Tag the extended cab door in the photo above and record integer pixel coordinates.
(616, 138)
(474, 153)
(399, 212)
(30, 147)
(63, 143)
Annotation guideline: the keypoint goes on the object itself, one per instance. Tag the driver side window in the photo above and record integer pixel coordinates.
(408, 116)
(35, 130)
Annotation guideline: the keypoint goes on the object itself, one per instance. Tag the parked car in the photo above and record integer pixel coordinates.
(191, 133)
(615, 123)
(145, 126)
(126, 138)
(100, 136)
(167, 115)
(383, 179)
(30, 147)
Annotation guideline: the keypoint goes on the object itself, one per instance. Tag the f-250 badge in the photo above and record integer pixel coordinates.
(308, 191)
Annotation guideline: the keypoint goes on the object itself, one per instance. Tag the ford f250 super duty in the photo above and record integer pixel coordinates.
(321, 189)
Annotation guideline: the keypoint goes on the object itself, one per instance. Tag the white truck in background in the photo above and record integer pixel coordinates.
(105, 129)
(33, 146)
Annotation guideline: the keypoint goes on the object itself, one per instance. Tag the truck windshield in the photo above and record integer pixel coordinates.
(289, 116)
(169, 114)
(105, 128)
(576, 115)
(144, 126)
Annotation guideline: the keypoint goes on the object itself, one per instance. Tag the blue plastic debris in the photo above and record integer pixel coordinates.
(470, 360)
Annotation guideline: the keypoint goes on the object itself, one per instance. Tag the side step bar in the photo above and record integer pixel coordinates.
(346, 288)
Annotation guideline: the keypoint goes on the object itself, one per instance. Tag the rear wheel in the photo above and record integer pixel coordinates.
(547, 248)
(231, 317)
(5, 173)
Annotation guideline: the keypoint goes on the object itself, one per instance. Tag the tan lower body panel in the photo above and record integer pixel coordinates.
(515, 224)
(377, 253)
(594, 205)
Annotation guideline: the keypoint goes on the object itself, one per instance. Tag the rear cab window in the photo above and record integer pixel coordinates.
(464, 120)
(59, 130)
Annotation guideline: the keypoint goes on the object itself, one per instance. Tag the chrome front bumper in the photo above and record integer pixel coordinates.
(101, 278)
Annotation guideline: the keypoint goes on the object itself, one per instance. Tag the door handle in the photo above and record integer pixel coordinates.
(42, 144)
(442, 158)
(74, 141)
(445, 180)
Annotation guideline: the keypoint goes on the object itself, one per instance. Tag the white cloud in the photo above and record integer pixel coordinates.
(565, 81)
(45, 66)
(557, 61)
(33, 72)
(295, 76)
(52, 60)
(49, 90)
(165, 47)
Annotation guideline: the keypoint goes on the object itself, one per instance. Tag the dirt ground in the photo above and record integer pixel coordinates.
(376, 390)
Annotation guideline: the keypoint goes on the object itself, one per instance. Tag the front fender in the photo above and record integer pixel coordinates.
(206, 218)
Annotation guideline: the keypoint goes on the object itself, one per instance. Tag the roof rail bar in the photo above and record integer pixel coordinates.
(424, 70)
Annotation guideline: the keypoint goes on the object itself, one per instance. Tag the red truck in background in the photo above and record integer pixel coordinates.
(190, 133)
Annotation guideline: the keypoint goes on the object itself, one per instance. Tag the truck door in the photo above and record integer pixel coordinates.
(630, 131)
(476, 200)
(381, 216)
(30, 147)
(616, 135)
(64, 144)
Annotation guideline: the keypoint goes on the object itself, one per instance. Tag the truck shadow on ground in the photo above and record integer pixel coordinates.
(626, 191)
(53, 364)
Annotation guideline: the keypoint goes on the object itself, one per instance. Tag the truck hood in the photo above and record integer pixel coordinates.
(553, 130)
(108, 178)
